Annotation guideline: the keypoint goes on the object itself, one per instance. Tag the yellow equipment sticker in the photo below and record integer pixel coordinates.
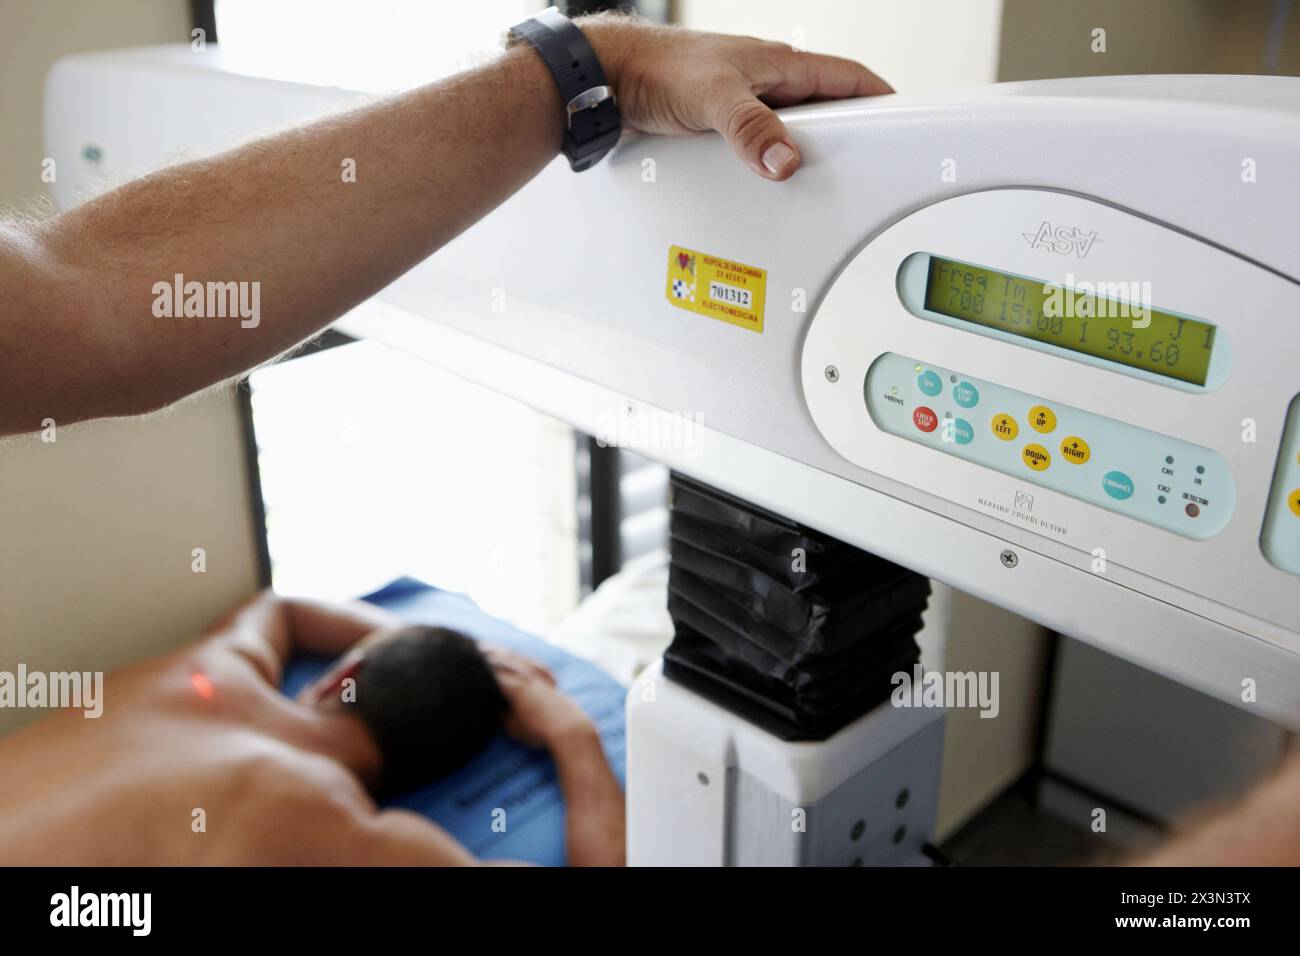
(716, 287)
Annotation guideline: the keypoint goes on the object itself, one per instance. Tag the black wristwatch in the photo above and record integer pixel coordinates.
(593, 123)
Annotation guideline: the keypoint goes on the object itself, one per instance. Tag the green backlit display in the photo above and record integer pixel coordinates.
(1094, 324)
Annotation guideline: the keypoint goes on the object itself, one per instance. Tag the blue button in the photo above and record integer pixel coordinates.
(1118, 485)
(965, 394)
(961, 431)
(929, 383)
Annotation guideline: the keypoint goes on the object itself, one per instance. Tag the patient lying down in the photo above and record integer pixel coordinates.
(198, 758)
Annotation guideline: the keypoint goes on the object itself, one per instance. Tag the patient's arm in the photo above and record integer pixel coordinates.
(540, 714)
(268, 629)
(594, 808)
(78, 334)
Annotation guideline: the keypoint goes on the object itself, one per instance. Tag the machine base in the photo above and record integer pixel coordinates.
(708, 788)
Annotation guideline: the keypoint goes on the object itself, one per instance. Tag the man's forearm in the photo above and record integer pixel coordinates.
(277, 212)
(595, 828)
(90, 324)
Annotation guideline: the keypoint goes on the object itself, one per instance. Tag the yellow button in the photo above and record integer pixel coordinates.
(1036, 457)
(1293, 500)
(1042, 419)
(1075, 449)
(1005, 427)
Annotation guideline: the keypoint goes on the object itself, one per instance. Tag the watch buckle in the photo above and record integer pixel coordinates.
(588, 99)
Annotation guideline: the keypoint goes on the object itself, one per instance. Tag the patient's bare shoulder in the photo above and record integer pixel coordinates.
(304, 809)
(403, 838)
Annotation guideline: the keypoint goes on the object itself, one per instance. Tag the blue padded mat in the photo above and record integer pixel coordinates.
(507, 775)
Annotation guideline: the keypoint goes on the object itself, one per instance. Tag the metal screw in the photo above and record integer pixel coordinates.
(1009, 558)
(832, 374)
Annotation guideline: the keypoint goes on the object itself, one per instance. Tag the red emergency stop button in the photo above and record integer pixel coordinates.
(925, 419)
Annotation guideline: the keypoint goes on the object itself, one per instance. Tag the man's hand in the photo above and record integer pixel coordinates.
(670, 80)
(540, 714)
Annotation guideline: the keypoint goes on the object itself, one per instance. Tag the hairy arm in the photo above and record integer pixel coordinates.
(82, 340)
(78, 334)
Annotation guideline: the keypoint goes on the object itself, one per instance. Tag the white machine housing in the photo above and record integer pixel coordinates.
(1154, 165)
(705, 788)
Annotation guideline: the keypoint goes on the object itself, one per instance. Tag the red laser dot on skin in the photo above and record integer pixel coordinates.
(202, 685)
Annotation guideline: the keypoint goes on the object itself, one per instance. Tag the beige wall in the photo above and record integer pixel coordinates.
(1242, 29)
(983, 756)
(1155, 36)
(917, 45)
(925, 45)
(97, 528)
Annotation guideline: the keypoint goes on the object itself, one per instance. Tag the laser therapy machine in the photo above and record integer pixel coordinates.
(881, 350)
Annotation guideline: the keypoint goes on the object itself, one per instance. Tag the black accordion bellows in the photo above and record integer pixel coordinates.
(790, 628)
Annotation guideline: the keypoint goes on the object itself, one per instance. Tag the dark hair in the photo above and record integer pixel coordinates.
(431, 700)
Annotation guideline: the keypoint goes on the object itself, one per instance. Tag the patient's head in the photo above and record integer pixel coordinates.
(429, 698)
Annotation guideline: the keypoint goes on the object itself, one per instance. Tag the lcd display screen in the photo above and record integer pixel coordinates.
(1117, 329)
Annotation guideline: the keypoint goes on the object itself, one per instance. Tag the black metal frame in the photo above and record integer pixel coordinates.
(203, 13)
(599, 469)
(328, 339)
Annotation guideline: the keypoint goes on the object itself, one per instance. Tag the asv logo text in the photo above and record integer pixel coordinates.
(1061, 239)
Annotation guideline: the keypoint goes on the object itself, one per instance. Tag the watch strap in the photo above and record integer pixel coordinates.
(593, 124)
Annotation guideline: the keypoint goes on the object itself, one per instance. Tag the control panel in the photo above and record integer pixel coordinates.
(1131, 391)
(1281, 538)
(1151, 477)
